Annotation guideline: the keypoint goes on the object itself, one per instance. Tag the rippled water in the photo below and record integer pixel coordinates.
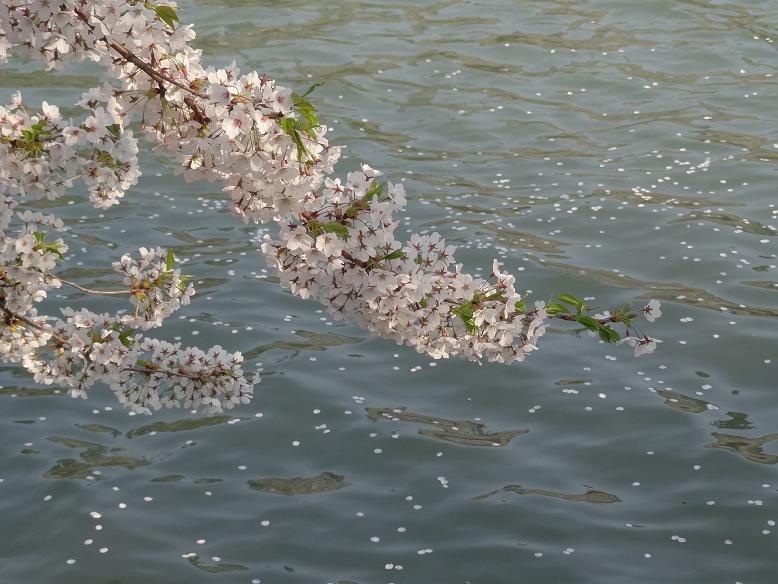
(618, 149)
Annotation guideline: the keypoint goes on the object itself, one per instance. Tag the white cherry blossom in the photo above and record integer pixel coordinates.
(652, 310)
(643, 345)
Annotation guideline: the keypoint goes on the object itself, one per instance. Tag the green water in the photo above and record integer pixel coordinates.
(569, 139)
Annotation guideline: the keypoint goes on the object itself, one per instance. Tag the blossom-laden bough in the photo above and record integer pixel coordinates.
(265, 146)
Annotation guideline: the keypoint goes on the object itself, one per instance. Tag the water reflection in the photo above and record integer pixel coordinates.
(678, 401)
(659, 198)
(590, 496)
(521, 239)
(737, 421)
(462, 432)
(313, 342)
(169, 478)
(9, 77)
(765, 284)
(180, 425)
(581, 381)
(320, 483)
(99, 428)
(93, 456)
(666, 291)
(729, 220)
(213, 567)
(14, 391)
(750, 448)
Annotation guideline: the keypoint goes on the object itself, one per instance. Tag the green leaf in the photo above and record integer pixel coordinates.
(40, 236)
(556, 308)
(337, 228)
(106, 159)
(589, 323)
(395, 255)
(124, 337)
(167, 14)
(571, 300)
(625, 313)
(520, 307)
(170, 260)
(182, 282)
(424, 303)
(290, 126)
(33, 139)
(309, 121)
(54, 248)
(375, 190)
(35, 130)
(312, 88)
(608, 334)
(465, 313)
(115, 130)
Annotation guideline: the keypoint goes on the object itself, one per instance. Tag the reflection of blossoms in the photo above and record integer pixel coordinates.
(266, 148)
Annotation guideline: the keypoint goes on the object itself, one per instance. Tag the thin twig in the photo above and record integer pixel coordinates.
(101, 292)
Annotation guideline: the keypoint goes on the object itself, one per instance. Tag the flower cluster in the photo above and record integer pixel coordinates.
(43, 155)
(343, 253)
(26, 259)
(144, 373)
(157, 289)
(266, 147)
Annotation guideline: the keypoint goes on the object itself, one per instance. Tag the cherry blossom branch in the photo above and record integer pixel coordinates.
(267, 148)
(155, 74)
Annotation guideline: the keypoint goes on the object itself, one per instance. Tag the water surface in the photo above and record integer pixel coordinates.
(616, 149)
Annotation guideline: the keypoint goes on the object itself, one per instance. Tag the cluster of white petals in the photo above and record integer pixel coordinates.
(264, 145)
(144, 373)
(342, 252)
(26, 257)
(43, 155)
(157, 288)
